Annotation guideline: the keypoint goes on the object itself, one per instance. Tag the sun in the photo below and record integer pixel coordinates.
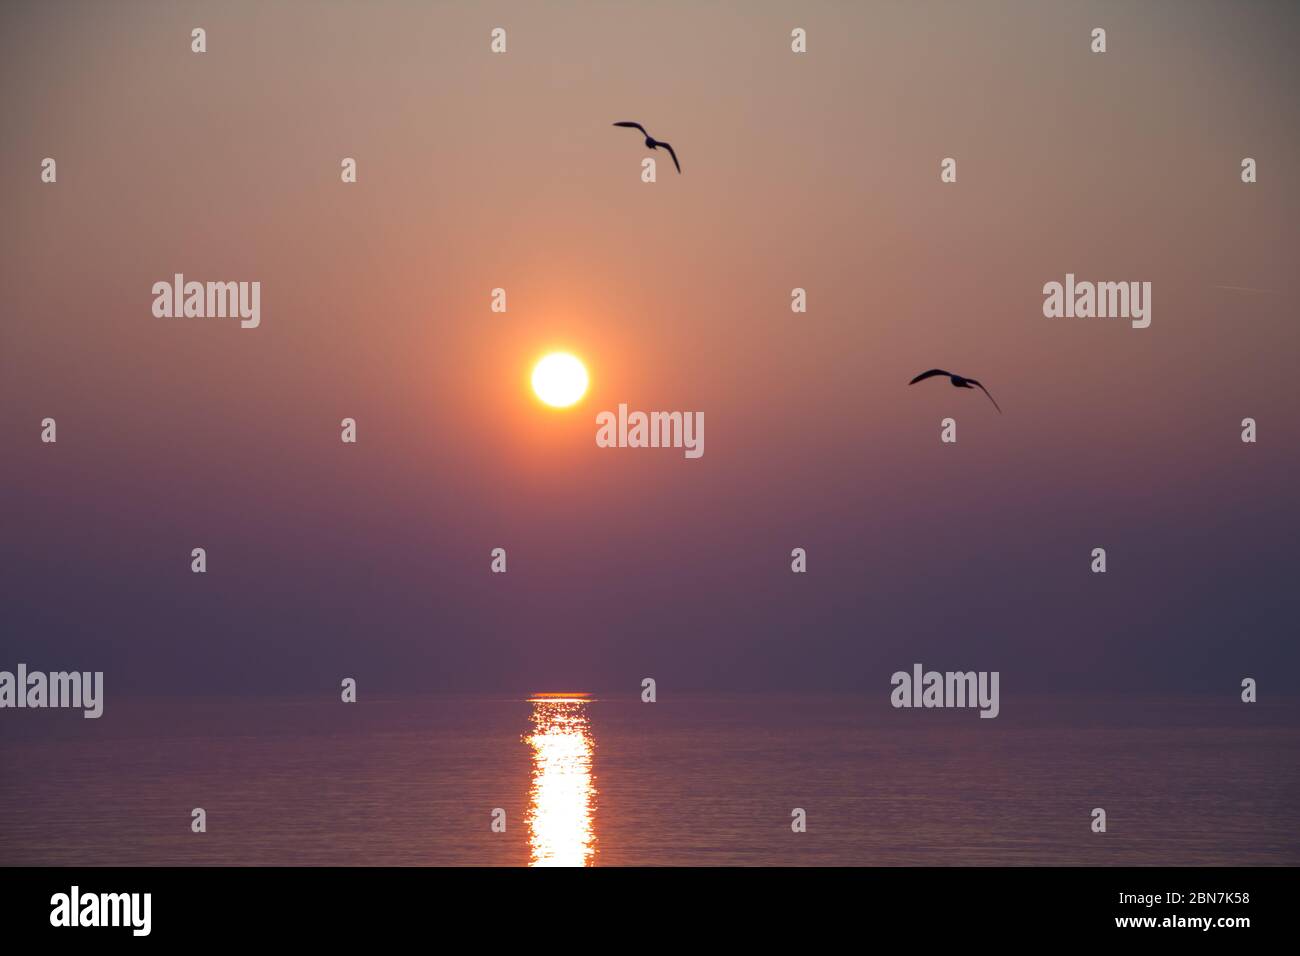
(559, 379)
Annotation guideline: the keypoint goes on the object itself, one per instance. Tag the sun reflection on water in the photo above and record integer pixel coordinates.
(561, 806)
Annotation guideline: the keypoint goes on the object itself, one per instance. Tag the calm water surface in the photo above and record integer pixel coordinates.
(606, 780)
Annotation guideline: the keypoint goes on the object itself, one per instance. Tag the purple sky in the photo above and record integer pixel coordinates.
(479, 171)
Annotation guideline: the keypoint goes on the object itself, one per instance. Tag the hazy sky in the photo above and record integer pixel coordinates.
(479, 171)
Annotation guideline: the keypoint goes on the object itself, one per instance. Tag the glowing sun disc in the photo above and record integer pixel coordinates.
(559, 379)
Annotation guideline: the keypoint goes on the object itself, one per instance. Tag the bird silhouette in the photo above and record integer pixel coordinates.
(957, 382)
(653, 143)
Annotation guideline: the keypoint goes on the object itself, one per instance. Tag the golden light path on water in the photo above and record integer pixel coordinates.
(561, 806)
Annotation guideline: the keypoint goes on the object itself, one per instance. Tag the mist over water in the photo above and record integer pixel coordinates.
(613, 781)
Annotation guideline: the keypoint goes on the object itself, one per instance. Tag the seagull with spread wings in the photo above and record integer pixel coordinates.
(957, 382)
(653, 143)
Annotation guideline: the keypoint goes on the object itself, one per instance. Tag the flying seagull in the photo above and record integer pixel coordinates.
(653, 143)
(957, 382)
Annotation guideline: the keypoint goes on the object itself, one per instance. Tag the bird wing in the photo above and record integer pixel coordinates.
(634, 126)
(672, 154)
(986, 392)
(930, 374)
